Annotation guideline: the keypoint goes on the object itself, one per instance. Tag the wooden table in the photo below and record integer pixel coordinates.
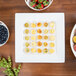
(8, 8)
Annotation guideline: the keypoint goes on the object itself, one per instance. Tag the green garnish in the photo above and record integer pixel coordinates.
(32, 3)
(39, 5)
(45, 3)
(40, 0)
(7, 65)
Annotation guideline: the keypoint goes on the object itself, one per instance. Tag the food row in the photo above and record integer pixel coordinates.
(45, 50)
(45, 44)
(39, 31)
(39, 24)
(39, 37)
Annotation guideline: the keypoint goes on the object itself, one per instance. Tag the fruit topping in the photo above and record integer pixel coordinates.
(39, 50)
(26, 24)
(39, 37)
(39, 24)
(45, 50)
(45, 24)
(39, 31)
(39, 43)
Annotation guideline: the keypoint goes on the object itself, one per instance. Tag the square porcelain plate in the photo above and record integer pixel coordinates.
(58, 56)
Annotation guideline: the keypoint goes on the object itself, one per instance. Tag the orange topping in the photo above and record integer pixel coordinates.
(39, 50)
(39, 37)
(39, 24)
(39, 31)
(39, 43)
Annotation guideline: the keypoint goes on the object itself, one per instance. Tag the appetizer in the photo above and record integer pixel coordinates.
(39, 50)
(33, 37)
(51, 50)
(52, 44)
(39, 31)
(26, 24)
(33, 25)
(45, 31)
(33, 31)
(33, 50)
(52, 24)
(27, 44)
(45, 37)
(33, 43)
(26, 31)
(26, 37)
(39, 43)
(45, 44)
(45, 24)
(52, 31)
(27, 50)
(39, 24)
(39, 37)
(45, 50)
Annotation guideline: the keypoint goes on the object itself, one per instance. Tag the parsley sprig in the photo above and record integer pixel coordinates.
(7, 65)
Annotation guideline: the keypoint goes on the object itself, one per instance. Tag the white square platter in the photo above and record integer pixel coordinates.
(58, 56)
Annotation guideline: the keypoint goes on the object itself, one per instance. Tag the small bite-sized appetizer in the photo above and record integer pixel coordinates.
(45, 24)
(45, 44)
(26, 31)
(33, 50)
(33, 25)
(45, 31)
(45, 50)
(33, 31)
(33, 43)
(27, 44)
(51, 50)
(52, 31)
(39, 37)
(39, 43)
(26, 24)
(27, 37)
(52, 38)
(39, 50)
(39, 31)
(74, 39)
(39, 24)
(27, 50)
(52, 44)
(45, 37)
(52, 24)
(74, 47)
(33, 37)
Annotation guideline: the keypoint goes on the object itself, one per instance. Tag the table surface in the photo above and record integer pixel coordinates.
(8, 8)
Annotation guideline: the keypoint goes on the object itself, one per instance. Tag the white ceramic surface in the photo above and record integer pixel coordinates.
(28, 1)
(71, 40)
(21, 56)
(2, 23)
